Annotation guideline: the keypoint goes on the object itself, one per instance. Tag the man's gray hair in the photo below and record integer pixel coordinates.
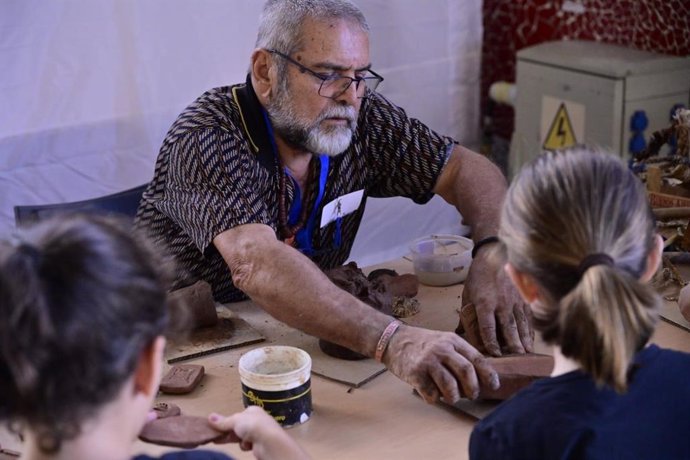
(281, 21)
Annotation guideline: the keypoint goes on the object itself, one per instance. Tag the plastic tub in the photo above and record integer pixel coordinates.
(441, 260)
(277, 378)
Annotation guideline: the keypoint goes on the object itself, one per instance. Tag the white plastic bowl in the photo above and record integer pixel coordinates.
(441, 260)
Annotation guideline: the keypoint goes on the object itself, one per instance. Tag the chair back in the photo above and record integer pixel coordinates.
(122, 203)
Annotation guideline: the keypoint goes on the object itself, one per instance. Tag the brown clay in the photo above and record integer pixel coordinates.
(380, 272)
(351, 279)
(515, 372)
(383, 290)
(196, 301)
(181, 431)
(406, 285)
(164, 410)
(338, 351)
(182, 378)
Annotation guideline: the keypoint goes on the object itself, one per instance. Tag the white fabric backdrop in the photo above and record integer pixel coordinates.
(88, 89)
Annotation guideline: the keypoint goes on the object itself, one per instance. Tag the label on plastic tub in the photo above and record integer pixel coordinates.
(287, 407)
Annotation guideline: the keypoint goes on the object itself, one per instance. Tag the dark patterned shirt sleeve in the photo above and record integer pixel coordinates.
(406, 157)
(209, 190)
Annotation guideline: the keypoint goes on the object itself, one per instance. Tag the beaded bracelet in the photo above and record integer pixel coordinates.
(482, 242)
(385, 338)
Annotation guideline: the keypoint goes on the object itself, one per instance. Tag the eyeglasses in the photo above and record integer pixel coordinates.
(334, 85)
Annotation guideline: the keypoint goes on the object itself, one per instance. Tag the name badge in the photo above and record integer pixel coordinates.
(341, 206)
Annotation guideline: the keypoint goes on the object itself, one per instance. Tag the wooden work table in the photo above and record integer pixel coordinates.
(382, 419)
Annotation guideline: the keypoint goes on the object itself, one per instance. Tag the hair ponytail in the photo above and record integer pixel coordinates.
(25, 323)
(579, 222)
(604, 320)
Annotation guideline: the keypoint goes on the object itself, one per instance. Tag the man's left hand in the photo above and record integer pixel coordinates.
(500, 310)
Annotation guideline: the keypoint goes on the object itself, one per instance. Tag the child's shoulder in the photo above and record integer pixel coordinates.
(567, 392)
(187, 455)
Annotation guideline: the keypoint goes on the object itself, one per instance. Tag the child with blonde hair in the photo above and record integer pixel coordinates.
(581, 245)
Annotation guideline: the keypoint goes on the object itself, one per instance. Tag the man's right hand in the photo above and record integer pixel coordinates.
(438, 364)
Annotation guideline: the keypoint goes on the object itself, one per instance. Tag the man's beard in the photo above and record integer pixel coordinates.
(313, 137)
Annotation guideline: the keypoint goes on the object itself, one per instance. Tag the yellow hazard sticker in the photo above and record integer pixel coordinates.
(561, 133)
(562, 123)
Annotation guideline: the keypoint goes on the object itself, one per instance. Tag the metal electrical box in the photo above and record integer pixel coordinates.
(572, 92)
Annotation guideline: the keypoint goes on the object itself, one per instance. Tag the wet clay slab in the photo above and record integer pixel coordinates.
(197, 302)
(182, 378)
(182, 431)
(515, 372)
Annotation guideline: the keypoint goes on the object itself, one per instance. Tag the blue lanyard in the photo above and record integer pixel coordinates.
(304, 235)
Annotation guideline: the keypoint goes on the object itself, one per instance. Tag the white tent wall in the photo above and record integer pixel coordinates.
(88, 89)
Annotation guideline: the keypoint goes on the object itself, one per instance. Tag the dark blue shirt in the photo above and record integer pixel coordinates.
(568, 417)
(187, 455)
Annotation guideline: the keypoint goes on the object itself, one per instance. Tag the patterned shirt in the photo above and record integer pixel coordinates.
(217, 170)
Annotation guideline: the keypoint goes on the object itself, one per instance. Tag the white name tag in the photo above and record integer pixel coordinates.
(341, 206)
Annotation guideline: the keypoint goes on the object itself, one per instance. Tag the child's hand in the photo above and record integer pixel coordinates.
(255, 430)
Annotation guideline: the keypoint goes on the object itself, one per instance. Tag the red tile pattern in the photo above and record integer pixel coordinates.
(509, 25)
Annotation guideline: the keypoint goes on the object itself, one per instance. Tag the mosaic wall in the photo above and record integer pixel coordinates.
(509, 25)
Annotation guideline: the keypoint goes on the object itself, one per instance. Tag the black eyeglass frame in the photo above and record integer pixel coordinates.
(325, 78)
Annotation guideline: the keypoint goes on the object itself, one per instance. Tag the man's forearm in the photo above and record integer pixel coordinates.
(476, 187)
(295, 291)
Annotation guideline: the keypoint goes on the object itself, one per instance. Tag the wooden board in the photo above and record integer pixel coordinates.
(477, 409)
(230, 332)
(351, 373)
(671, 313)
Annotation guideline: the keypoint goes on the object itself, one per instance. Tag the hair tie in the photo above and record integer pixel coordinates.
(590, 260)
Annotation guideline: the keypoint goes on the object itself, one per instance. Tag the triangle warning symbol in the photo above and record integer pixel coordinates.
(561, 132)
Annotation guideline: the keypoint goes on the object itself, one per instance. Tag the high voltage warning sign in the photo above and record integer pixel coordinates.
(561, 133)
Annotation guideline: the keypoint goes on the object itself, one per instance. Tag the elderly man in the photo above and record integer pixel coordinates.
(259, 186)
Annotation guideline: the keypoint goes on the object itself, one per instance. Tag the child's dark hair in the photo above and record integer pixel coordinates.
(579, 222)
(80, 299)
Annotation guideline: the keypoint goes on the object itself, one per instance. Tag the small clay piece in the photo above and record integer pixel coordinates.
(196, 301)
(338, 351)
(182, 431)
(684, 301)
(515, 372)
(182, 378)
(406, 285)
(381, 271)
(164, 410)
